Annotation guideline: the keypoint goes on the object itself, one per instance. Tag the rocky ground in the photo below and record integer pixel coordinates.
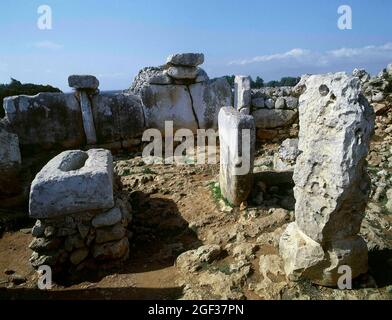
(187, 243)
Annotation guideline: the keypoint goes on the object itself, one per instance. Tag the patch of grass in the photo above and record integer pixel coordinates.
(217, 193)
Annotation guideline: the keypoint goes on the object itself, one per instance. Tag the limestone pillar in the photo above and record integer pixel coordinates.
(331, 181)
(237, 136)
(242, 94)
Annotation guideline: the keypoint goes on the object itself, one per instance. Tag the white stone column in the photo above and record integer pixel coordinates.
(242, 94)
(237, 136)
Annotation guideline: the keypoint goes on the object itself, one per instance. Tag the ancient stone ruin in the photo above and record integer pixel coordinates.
(291, 189)
(80, 221)
(331, 182)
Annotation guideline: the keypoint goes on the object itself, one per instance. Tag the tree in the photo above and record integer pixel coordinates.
(258, 83)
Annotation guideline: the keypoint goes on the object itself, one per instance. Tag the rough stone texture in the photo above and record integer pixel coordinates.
(202, 76)
(186, 59)
(71, 182)
(269, 119)
(236, 154)
(258, 103)
(10, 161)
(45, 121)
(242, 93)
(192, 107)
(208, 97)
(168, 103)
(106, 219)
(117, 117)
(183, 73)
(331, 181)
(112, 250)
(288, 152)
(280, 103)
(146, 76)
(83, 82)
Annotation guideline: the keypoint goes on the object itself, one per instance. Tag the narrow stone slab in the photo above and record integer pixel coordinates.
(83, 82)
(88, 119)
(73, 181)
(242, 93)
(237, 134)
(183, 73)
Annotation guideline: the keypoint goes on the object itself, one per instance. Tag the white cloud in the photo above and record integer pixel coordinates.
(48, 45)
(294, 53)
(331, 57)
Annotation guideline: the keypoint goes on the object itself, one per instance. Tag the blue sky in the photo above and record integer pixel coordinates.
(113, 39)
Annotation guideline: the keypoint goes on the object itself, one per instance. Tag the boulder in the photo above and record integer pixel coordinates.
(108, 218)
(288, 152)
(81, 82)
(280, 103)
(186, 59)
(201, 76)
(73, 181)
(237, 136)
(258, 103)
(275, 118)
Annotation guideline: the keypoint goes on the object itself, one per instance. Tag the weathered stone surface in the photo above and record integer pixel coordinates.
(258, 103)
(38, 229)
(186, 59)
(108, 218)
(192, 107)
(83, 82)
(88, 120)
(269, 119)
(145, 77)
(10, 160)
(288, 152)
(183, 73)
(192, 261)
(117, 117)
(332, 185)
(71, 182)
(242, 93)
(202, 76)
(269, 103)
(331, 181)
(291, 103)
(45, 245)
(78, 256)
(45, 120)
(237, 136)
(208, 98)
(361, 74)
(389, 69)
(280, 103)
(112, 250)
(168, 103)
(108, 234)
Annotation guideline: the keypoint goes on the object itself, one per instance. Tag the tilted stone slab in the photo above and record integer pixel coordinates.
(237, 136)
(73, 181)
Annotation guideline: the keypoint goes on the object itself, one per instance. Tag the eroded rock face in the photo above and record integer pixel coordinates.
(331, 181)
(117, 117)
(45, 121)
(74, 181)
(10, 160)
(285, 159)
(237, 136)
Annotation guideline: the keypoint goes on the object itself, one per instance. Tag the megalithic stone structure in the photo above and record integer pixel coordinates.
(237, 136)
(242, 94)
(331, 181)
(85, 84)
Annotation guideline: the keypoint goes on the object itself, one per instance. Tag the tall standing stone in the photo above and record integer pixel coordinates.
(237, 136)
(331, 181)
(242, 94)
